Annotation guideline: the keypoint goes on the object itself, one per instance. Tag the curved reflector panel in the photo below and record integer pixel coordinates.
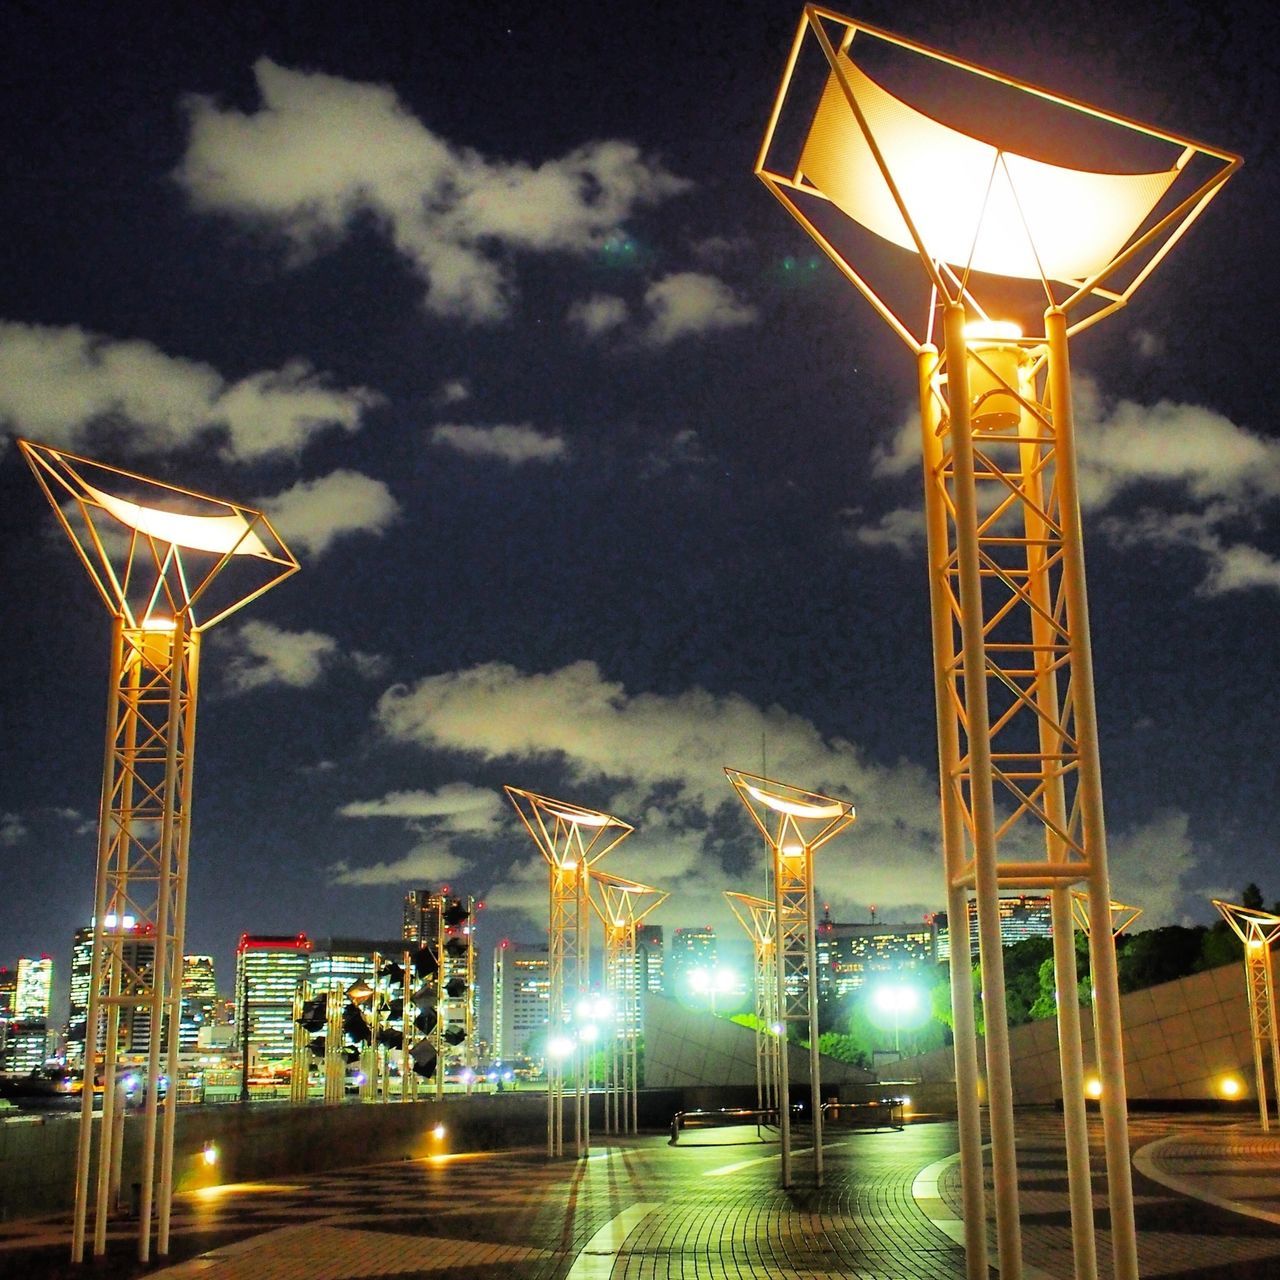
(795, 808)
(582, 819)
(220, 535)
(972, 204)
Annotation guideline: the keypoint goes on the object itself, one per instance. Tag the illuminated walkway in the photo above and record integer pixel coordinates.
(707, 1209)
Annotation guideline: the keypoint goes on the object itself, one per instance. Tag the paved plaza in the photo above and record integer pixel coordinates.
(1207, 1195)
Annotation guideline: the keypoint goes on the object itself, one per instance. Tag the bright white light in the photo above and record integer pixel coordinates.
(438, 1132)
(794, 807)
(589, 1033)
(560, 1046)
(896, 998)
(210, 1154)
(581, 819)
(220, 535)
(992, 330)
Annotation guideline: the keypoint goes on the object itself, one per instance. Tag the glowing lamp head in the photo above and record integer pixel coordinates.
(210, 1154)
(994, 359)
(1230, 1087)
(559, 1047)
(1093, 1087)
(438, 1132)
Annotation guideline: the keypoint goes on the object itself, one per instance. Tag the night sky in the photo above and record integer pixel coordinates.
(588, 458)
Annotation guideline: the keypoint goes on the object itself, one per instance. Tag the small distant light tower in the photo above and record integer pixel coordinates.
(622, 906)
(1123, 916)
(572, 840)
(757, 917)
(1258, 930)
(169, 564)
(795, 823)
(1014, 256)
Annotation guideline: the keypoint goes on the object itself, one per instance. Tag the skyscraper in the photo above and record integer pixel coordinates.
(850, 955)
(650, 972)
(137, 955)
(691, 949)
(521, 999)
(268, 970)
(34, 990)
(1021, 917)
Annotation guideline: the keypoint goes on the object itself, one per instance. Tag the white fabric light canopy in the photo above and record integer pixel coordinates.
(972, 204)
(219, 535)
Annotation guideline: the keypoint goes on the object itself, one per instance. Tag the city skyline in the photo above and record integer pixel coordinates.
(559, 411)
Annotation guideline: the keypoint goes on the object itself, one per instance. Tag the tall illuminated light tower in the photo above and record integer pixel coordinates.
(572, 839)
(758, 918)
(169, 564)
(1015, 254)
(795, 823)
(1258, 929)
(622, 906)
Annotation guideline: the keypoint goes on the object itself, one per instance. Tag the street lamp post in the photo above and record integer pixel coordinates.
(756, 916)
(999, 237)
(168, 564)
(572, 839)
(795, 823)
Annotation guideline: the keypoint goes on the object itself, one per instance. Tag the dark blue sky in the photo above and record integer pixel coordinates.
(577, 441)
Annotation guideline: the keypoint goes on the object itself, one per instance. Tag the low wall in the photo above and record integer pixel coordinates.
(269, 1140)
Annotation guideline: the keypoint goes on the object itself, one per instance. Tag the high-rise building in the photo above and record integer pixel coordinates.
(1021, 917)
(850, 955)
(521, 999)
(24, 1046)
(199, 1000)
(137, 955)
(691, 949)
(650, 975)
(268, 970)
(8, 992)
(34, 990)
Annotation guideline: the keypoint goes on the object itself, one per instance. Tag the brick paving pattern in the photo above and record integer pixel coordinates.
(1207, 1197)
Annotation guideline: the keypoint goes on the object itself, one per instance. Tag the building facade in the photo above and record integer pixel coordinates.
(650, 969)
(521, 999)
(692, 948)
(1021, 917)
(34, 991)
(268, 970)
(851, 955)
(137, 955)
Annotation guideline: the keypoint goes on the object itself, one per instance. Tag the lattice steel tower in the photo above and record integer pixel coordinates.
(169, 564)
(1014, 255)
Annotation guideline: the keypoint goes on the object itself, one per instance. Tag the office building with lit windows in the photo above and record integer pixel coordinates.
(268, 970)
(650, 972)
(1021, 917)
(34, 990)
(521, 998)
(137, 955)
(691, 949)
(850, 955)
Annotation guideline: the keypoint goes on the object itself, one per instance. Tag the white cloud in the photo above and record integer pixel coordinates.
(453, 392)
(1149, 866)
(598, 314)
(660, 760)
(1215, 482)
(1147, 344)
(12, 830)
(313, 514)
(263, 654)
(689, 303)
(320, 151)
(424, 864)
(56, 383)
(266, 654)
(513, 445)
(457, 807)
(902, 529)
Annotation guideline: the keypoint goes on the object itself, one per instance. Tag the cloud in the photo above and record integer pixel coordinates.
(314, 514)
(689, 303)
(1150, 865)
(658, 760)
(902, 529)
(599, 314)
(264, 654)
(453, 392)
(513, 445)
(457, 807)
(1210, 484)
(424, 864)
(12, 829)
(321, 152)
(57, 383)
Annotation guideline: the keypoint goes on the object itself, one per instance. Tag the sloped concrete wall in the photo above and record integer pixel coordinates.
(688, 1048)
(1180, 1039)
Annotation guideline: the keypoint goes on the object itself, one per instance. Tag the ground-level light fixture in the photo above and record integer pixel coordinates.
(1051, 244)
